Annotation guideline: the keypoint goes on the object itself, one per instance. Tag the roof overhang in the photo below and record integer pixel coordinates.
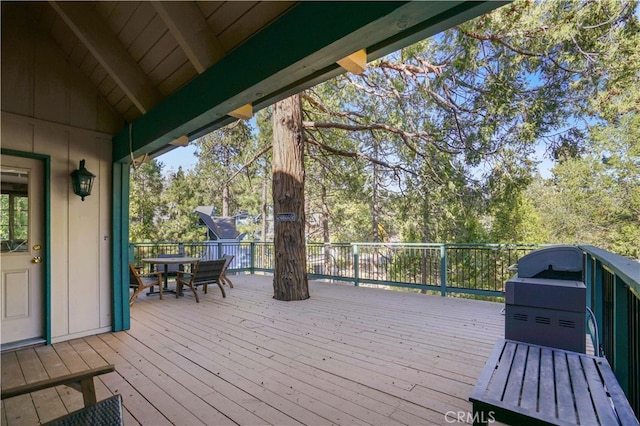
(295, 52)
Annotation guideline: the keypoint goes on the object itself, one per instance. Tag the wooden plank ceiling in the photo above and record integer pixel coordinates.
(175, 70)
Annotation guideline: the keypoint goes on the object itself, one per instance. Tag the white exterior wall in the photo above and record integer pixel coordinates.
(49, 107)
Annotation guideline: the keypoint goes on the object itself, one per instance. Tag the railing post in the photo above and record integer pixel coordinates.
(131, 253)
(356, 279)
(252, 256)
(621, 333)
(589, 276)
(588, 279)
(598, 284)
(443, 270)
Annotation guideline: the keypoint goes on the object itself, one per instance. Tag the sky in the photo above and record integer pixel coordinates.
(184, 156)
(181, 156)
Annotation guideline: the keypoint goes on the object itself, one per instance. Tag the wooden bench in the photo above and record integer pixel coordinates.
(107, 411)
(523, 383)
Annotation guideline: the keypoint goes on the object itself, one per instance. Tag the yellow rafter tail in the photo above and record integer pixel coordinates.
(355, 63)
(245, 112)
(181, 141)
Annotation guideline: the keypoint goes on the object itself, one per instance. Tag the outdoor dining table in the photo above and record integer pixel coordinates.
(166, 261)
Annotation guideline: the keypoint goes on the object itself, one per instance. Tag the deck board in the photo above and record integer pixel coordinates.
(347, 355)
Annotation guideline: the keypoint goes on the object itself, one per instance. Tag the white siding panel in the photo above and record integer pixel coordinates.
(54, 141)
(51, 98)
(17, 73)
(107, 120)
(82, 102)
(17, 135)
(104, 236)
(84, 245)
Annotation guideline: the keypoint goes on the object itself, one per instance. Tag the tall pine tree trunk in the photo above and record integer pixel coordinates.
(290, 270)
(264, 209)
(225, 199)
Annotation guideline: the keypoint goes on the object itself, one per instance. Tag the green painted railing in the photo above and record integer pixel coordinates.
(471, 269)
(613, 293)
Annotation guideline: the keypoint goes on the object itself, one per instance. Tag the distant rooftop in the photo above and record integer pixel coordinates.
(219, 227)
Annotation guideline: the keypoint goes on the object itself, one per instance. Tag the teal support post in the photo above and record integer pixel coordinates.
(120, 316)
(443, 270)
(356, 272)
(621, 333)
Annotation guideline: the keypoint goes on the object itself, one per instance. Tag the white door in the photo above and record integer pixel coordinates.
(21, 235)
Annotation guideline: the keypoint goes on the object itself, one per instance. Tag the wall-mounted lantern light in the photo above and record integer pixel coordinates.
(82, 181)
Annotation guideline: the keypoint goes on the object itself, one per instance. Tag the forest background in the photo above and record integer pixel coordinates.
(438, 142)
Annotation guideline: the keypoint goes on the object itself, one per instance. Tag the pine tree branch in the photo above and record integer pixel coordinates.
(410, 69)
(250, 162)
(321, 107)
(496, 39)
(357, 155)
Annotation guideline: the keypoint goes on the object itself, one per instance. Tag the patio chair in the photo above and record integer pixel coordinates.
(223, 276)
(204, 273)
(138, 282)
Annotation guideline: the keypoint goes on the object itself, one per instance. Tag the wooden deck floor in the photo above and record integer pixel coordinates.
(346, 356)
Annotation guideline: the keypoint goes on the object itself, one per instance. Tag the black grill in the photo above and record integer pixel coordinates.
(546, 299)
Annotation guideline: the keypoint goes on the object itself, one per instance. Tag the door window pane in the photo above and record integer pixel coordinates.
(14, 211)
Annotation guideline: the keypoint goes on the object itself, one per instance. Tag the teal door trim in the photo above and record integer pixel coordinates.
(46, 184)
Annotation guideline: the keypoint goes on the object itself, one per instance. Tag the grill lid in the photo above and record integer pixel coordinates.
(545, 262)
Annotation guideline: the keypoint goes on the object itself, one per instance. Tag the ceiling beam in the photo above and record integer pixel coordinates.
(190, 29)
(93, 32)
(307, 49)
